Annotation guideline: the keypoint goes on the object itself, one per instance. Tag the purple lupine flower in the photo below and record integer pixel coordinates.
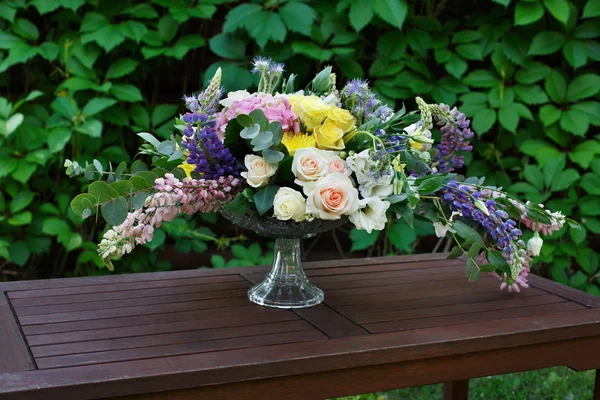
(465, 199)
(455, 137)
(206, 150)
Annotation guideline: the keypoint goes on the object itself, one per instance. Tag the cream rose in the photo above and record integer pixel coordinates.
(371, 214)
(338, 166)
(308, 165)
(289, 204)
(259, 171)
(332, 197)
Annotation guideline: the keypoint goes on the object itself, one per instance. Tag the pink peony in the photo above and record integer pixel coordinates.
(276, 108)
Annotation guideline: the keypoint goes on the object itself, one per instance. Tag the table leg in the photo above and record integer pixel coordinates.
(597, 386)
(457, 390)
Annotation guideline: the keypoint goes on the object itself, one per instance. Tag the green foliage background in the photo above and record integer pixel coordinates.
(95, 72)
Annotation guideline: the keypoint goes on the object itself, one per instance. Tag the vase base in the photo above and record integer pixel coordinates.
(278, 295)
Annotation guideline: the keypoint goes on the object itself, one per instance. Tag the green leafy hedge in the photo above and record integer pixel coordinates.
(91, 73)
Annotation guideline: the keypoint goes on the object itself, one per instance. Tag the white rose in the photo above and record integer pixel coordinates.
(234, 96)
(289, 204)
(310, 164)
(338, 166)
(332, 197)
(259, 171)
(371, 215)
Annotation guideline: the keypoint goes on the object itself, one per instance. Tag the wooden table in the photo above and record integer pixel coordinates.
(387, 323)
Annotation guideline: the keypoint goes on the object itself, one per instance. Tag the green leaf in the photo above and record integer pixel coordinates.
(91, 127)
(121, 67)
(126, 92)
(362, 240)
(531, 95)
(167, 28)
(591, 9)
(227, 46)
(19, 253)
(431, 184)
(108, 37)
(115, 212)
(465, 36)
(456, 66)
(92, 21)
(582, 87)
(82, 202)
(587, 30)
(20, 219)
(133, 30)
(556, 86)
(575, 53)
(312, 50)
(392, 11)
(23, 171)
(547, 42)
(21, 201)
(590, 183)
(48, 50)
(7, 41)
(483, 121)
(401, 236)
(469, 51)
(266, 26)
(574, 121)
(564, 180)
(532, 72)
(55, 226)
(481, 78)
(549, 114)
(58, 137)
(298, 17)
(163, 112)
(543, 151)
(263, 198)
(559, 10)
(509, 118)
(96, 105)
(528, 12)
(26, 29)
(102, 191)
(157, 240)
(239, 16)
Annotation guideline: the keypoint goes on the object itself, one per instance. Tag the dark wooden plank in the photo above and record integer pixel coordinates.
(179, 349)
(349, 381)
(452, 269)
(567, 292)
(192, 292)
(129, 302)
(169, 338)
(221, 272)
(149, 328)
(348, 269)
(456, 390)
(548, 338)
(325, 319)
(450, 320)
(436, 301)
(199, 282)
(14, 355)
(375, 280)
(450, 289)
(457, 309)
(126, 311)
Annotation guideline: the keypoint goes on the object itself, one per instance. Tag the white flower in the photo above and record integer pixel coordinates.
(368, 185)
(380, 187)
(332, 197)
(332, 99)
(371, 215)
(441, 229)
(338, 166)
(534, 245)
(310, 164)
(360, 164)
(289, 204)
(259, 171)
(234, 96)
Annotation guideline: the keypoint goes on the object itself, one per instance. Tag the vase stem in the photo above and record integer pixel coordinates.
(286, 284)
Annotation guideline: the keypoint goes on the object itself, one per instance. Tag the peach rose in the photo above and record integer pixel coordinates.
(332, 197)
(338, 166)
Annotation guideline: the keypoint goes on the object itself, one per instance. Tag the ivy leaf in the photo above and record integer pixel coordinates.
(508, 118)
(456, 66)
(167, 28)
(469, 51)
(266, 26)
(362, 239)
(401, 236)
(133, 30)
(549, 114)
(528, 12)
(126, 92)
(582, 87)
(108, 37)
(298, 17)
(483, 121)
(590, 183)
(92, 21)
(564, 180)
(575, 53)
(575, 122)
(58, 137)
(96, 105)
(121, 67)
(312, 50)
(532, 94)
(591, 9)
(547, 42)
(26, 29)
(532, 72)
(239, 16)
(227, 46)
(556, 86)
(392, 11)
(559, 10)
(163, 112)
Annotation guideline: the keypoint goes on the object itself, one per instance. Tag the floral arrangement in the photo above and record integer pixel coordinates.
(317, 153)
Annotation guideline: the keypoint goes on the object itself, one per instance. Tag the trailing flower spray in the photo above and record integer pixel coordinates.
(318, 153)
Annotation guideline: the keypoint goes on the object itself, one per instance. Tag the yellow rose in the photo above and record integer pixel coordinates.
(329, 136)
(311, 110)
(342, 118)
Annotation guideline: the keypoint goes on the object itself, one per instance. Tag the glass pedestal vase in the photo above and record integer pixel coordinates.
(286, 284)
